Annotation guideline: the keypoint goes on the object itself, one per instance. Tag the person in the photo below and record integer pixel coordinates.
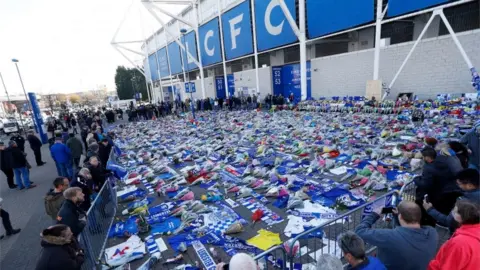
(469, 182)
(69, 214)
(240, 261)
(7, 225)
(36, 146)
(65, 135)
(396, 247)
(472, 140)
(329, 262)
(92, 151)
(437, 182)
(461, 151)
(60, 250)
(461, 251)
(73, 121)
(76, 148)
(104, 149)
(19, 140)
(84, 133)
(62, 155)
(54, 198)
(97, 171)
(20, 169)
(84, 181)
(353, 249)
(6, 164)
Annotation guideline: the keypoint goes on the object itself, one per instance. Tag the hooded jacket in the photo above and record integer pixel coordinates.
(6, 159)
(472, 140)
(53, 203)
(60, 253)
(18, 158)
(60, 153)
(75, 146)
(69, 215)
(448, 220)
(400, 248)
(460, 252)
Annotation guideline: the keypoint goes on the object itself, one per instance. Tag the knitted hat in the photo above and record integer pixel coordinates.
(431, 141)
(242, 261)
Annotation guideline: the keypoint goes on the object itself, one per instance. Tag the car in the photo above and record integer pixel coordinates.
(9, 126)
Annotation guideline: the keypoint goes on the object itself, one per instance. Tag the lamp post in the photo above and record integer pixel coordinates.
(186, 78)
(6, 92)
(24, 92)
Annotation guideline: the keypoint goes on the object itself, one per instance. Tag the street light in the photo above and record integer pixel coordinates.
(186, 78)
(6, 92)
(25, 93)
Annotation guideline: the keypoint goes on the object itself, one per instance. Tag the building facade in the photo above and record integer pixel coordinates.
(340, 48)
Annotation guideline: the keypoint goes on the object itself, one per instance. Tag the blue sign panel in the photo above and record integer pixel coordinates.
(398, 7)
(152, 64)
(220, 87)
(237, 31)
(330, 16)
(37, 117)
(163, 62)
(210, 49)
(231, 84)
(174, 57)
(190, 87)
(190, 43)
(273, 29)
(286, 80)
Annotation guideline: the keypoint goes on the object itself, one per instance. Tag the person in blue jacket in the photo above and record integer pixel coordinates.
(62, 156)
(353, 249)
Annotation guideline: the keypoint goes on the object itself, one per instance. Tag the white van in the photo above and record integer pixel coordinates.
(9, 126)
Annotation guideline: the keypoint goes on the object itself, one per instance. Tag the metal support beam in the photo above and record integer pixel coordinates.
(158, 65)
(378, 33)
(170, 69)
(173, 16)
(197, 37)
(255, 50)
(222, 45)
(127, 42)
(171, 2)
(128, 59)
(130, 50)
(455, 39)
(300, 33)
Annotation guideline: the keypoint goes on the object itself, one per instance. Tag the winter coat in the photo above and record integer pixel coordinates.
(104, 153)
(61, 153)
(6, 159)
(371, 263)
(98, 174)
(448, 220)
(53, 203)
(400, 248)
(20, 142)
(75, 146)
(87, 186)
(65, 137)
(472, 140)
(69, 215)
(34, 141)
(438, 178)
(60, 253)
(460, 252)
(18, 158)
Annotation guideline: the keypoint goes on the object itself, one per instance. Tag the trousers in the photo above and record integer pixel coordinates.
(38, 156)
(22, 176)
(9, 173)
(6, 221)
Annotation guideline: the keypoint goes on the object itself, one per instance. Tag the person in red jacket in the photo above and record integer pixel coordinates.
(461, 251)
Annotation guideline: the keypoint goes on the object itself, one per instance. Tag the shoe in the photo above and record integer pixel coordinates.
(13, 187)
(14, 231)
(2, 236)
(31, 186)
(21, 188)
(41, 164)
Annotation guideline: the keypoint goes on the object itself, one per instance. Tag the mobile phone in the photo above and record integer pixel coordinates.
(387, 210)
(226, 267)
(426, 198)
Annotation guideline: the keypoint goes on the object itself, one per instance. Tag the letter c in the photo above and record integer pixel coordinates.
(273, 30)
(210, 52)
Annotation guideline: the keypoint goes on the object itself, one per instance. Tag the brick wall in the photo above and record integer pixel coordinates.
(436, 66)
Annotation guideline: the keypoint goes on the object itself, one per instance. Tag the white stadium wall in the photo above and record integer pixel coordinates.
(247, 78)
(436, 66)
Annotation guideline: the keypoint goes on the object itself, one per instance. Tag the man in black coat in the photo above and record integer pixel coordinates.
(104, 149)
(97, 172)
(36, 145)
(20, 167)
(19, 140)
(6, 162)
(70, 214)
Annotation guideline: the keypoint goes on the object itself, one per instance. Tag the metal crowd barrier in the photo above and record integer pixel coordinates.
(408, 191)
(273, 258)
(307, 247)
(100, 217)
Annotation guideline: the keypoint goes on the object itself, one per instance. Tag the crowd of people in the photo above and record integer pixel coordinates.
(448, 194)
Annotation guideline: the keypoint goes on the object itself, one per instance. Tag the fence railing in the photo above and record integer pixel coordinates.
(273, 258)
(307, 247)
(100, 217)
(408, 191)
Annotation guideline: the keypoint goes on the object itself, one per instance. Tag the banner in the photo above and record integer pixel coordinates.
(330, 16)
(237, 31)
(286, 81)
(37, 116)
(220, 87)
(174, 57)
(163, 62)
(399, 7)
(210, 49)
(273, 29)
(189, 41)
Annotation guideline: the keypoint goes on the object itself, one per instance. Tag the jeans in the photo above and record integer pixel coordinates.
(65, 169)
(19, 173)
